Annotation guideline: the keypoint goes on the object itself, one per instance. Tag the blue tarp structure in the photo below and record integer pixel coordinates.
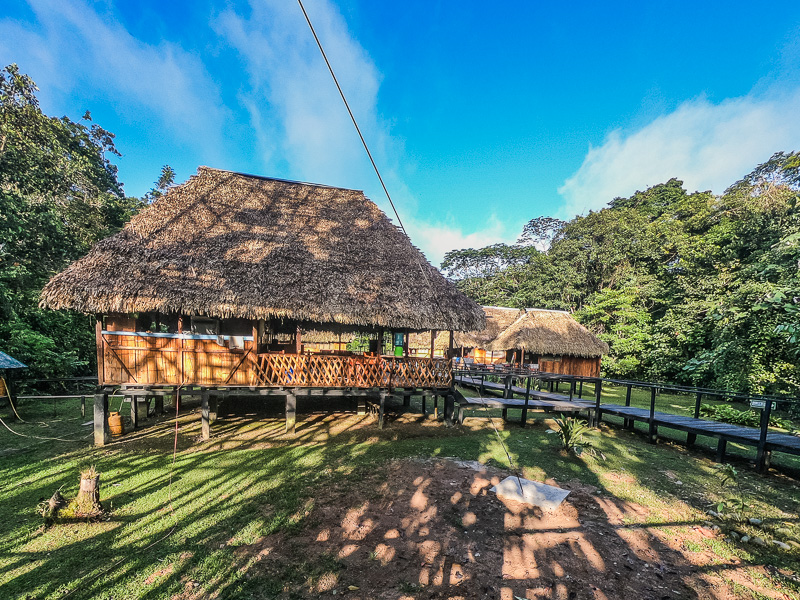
(6, 362)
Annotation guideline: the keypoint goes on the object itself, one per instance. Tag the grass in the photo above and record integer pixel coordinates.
(251, 481)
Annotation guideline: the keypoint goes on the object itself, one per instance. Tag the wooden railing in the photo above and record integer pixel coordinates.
(173, 360)
(322, 370)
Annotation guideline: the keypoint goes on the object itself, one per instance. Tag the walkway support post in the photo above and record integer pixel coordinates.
(524, 420)
(652, 430)
(628, 423)
(691, 438)
(598, 389)
(763, 456)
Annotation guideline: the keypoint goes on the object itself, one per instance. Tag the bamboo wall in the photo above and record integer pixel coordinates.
(173, 360)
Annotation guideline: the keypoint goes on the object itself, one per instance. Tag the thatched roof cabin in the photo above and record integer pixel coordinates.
(551, 339)
(231, 245)
(498, 319)
(549, 332)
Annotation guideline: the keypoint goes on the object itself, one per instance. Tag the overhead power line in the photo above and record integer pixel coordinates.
(352, 117)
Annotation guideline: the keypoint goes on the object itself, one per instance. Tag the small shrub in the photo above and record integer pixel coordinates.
(570, 432)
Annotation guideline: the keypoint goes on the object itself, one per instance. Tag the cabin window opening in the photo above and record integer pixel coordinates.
(546, 358)
(205, 326)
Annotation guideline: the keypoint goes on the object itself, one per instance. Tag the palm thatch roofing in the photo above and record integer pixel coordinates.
(549, 332)
(498, 319)
(422, 341)
(227, 244)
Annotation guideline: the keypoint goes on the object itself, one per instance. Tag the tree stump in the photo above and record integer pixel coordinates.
(87, 503)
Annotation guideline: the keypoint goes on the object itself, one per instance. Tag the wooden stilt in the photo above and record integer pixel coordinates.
(102, 435)
(205, 415)
(134, 412)
(382, 409)
(722, 445)
(291, 412)
(653, 430)
(449, 408)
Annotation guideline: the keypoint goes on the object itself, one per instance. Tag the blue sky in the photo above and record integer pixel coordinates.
(480, 116)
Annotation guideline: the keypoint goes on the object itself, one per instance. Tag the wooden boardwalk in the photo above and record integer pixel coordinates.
(765, 441)
(724, 432)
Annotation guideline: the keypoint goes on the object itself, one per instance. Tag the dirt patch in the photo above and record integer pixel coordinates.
(432, 529)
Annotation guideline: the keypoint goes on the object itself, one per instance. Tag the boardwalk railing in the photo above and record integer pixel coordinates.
(765, 441)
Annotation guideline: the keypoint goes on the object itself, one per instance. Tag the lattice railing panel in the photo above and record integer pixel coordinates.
(322, 370)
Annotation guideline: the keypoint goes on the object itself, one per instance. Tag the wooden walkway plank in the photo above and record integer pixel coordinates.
(725, 432)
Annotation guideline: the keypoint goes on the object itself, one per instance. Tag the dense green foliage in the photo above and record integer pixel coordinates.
(685, 287)
(58, 195)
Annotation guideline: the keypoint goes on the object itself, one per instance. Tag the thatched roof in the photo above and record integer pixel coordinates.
(498, 318)
(549, 332)
(232, 245)
(422, 341)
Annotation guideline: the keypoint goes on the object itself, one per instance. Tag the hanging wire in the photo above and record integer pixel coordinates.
(385, 189)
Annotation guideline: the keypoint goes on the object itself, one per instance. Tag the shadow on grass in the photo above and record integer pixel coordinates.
(255, 486)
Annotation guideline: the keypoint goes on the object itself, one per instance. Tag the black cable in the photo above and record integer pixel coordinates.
(350, 112)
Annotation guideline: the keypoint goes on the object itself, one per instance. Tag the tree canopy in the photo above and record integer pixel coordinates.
(59, 194)
(685, 287)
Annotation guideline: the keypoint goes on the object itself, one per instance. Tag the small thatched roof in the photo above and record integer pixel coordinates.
(498, 318)
(549, 332)
(232, 245)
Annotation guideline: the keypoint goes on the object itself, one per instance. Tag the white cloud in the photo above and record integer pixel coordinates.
(707, 146)
(72, 47)
(435, 239)
(294, 107)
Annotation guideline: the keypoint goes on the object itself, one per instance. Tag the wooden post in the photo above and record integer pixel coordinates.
(580, 390)
(450, 346)
(628, 423)
(379, 344)
(205, 418)
(298, 341)
(524, 419)
(691, 438)
(291, 412)
(433, 341)
(382, 409)
(134, 412)
(213, 406)
(102, 436)
(722, 445)
(98, 336)
(652, 431)
(83, 407)
(483, 387)
(571, 389)
(449, 407)
(598, 389)
(158, 400)
(405, 344)
(762, 458)
(436, 406)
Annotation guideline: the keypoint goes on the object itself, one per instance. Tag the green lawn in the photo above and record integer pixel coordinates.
(251, 480)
